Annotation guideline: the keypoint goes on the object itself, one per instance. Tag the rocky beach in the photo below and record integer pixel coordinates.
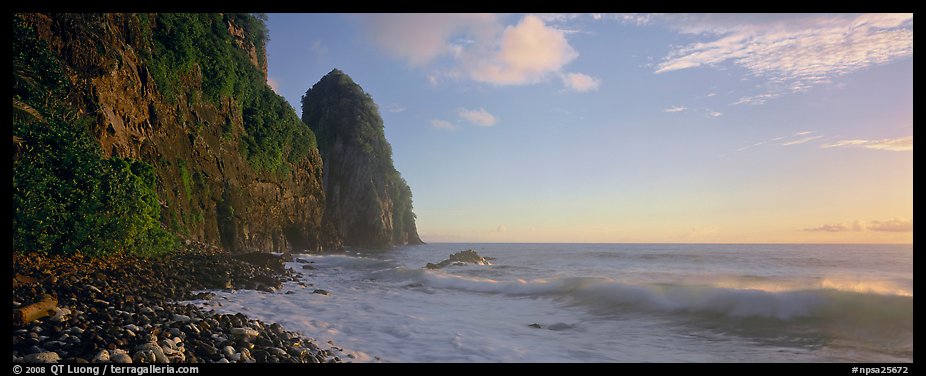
(128, 309)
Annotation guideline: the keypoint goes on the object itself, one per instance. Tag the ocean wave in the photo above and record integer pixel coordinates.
(607, 295)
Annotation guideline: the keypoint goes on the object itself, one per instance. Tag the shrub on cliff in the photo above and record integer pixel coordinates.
(188, 45)
(66, 196)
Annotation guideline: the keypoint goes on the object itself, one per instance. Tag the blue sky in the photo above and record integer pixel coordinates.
(631, 127)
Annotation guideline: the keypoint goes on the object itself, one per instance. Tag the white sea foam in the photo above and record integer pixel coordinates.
(603, 303)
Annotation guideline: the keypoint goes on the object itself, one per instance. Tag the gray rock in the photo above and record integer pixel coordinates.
(168, 345)
(246, 334)
(276, 351)
(120, 356)
(468, 256)
(182, 318)
(61, 314)
(145, 356)
(42, 357)
(246, 356)
(158, 352)
(101, 357)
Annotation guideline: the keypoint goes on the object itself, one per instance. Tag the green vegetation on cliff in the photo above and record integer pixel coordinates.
(130, 130)
(66, 196)
(188, 47)
(70, 195)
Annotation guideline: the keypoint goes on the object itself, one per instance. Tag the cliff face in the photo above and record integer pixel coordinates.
(235, 167)
(367, 199)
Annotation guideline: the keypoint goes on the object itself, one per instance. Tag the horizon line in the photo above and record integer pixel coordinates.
(702, 243)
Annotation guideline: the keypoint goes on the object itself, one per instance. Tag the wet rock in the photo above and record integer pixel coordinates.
(535, 325)
(246, 334)
(263, 259)
(264, 283)
(320, 292)
(203, 296)
(460, 258)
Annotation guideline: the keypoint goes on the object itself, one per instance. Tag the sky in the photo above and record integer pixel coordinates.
(613, 128)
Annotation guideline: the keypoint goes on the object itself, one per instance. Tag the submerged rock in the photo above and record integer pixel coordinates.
(468, 256)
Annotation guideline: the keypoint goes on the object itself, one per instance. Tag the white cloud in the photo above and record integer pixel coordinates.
(580, 82)
(892, 144)
(480, 117)
(556, 17)
(892, 225)
(757, 99)
(792, 52)
(318, 49)
(802, 140)
(711, 94)
(528, 52)
(420, 38)
(856, 226)
(501, 228)
(443, 124)
(480, 47)
(638, 19)
(796, 138)
(760, 143)
(394, 108)
(714, 114)
(675, 109)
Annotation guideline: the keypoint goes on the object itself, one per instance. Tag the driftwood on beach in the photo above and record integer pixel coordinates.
(35, 311)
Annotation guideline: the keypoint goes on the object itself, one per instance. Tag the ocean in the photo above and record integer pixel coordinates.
(602, 303)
